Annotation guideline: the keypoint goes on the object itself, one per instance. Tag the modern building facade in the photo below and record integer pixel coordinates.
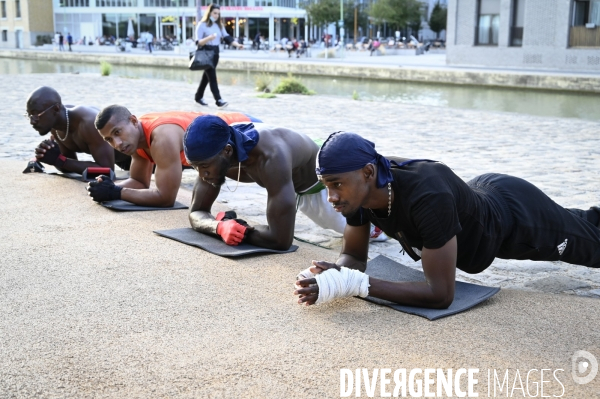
(175, 18)
(24, 23)
(558, 34)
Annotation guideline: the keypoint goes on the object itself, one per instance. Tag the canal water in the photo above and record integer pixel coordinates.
(531, 102)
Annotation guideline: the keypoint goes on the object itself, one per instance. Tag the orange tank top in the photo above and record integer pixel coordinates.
(183, 119)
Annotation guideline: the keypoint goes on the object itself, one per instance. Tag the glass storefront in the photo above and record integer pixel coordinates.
(109, 25)
(148, 23)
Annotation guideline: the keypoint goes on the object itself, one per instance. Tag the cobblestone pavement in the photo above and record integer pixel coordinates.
(560, 156)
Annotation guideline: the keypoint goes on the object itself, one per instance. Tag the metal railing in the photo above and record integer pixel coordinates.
(580, 36)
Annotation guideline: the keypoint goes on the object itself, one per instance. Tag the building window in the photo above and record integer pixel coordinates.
(4, 35)
(488, 22)
(116, 3)
(18, 8)
(74, 3)
(585, 29)
(169, 3)
(3, 7)
(586, 12)
(516, 30)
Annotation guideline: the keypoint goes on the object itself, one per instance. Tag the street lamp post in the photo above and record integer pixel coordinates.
(342, 28)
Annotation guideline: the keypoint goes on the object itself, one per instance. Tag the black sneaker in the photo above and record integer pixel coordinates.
(202, 102)
(221, 103)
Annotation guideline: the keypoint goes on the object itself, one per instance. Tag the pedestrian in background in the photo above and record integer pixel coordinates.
(61, 42)
(209, 33)
(69, 40)
(149, 40)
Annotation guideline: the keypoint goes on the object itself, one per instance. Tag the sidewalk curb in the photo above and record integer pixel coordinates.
(586, 83)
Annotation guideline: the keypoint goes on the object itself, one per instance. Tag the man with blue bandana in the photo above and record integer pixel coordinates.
(278, 159)
(439, 219)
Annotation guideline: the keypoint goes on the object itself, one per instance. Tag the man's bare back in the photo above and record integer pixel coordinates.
(281, 160)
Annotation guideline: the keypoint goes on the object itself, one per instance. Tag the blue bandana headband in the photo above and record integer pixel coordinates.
(207, 135)
(346, 152)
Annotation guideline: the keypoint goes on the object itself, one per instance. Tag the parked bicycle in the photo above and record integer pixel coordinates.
(264, 46)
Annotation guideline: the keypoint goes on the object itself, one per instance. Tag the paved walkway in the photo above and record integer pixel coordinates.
(95, 305)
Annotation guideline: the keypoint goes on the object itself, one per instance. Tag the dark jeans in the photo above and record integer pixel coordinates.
(209, 77)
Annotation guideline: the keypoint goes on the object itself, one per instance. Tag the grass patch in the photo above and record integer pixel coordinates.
(105, 68)
(266, 95)
(292, 85)
(263, 81)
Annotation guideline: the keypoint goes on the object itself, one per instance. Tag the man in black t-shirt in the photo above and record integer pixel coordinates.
(437, 218)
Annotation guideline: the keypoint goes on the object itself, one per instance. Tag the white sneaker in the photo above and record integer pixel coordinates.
(377, 235)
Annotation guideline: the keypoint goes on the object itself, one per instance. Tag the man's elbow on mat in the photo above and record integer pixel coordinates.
(282, 244)
(442, 301)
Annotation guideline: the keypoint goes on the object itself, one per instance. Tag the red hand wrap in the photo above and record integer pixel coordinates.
(231, 232)
(220, 216)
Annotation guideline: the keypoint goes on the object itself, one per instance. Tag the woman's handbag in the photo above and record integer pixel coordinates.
(203, 58)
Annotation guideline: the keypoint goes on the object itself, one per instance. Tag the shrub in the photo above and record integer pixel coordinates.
(292, 85)
(105, 68)
(263, 81)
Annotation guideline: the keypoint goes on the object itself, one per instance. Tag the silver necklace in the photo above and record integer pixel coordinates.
(389, 201)
(66, 135)
(238, 180)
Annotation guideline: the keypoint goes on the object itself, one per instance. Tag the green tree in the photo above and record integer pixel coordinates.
(437, 21)
(397, 13)
(322, 12)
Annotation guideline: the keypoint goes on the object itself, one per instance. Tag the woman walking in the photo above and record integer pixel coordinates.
(209, 32)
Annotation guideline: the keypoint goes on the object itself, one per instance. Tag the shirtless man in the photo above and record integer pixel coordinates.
(282, 161)
(155, 138)
(72, 130)
(439, 219)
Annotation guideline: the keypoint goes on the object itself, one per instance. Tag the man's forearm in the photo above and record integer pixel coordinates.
(407, 293)
(263, 236)
(203, 222)
(351, 262)
(147, 197)
(131, 183)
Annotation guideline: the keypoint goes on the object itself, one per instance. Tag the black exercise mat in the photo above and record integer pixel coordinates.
(124, 206)
(466, 295)
(215, 245)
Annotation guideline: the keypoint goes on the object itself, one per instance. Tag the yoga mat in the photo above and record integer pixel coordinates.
(466, 295)
(124, 206)
(215, 245)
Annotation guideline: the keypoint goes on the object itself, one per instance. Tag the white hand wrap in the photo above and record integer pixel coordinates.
(338, 284)
(304, 274)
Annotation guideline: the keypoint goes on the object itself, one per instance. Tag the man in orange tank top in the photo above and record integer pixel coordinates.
(155, 138)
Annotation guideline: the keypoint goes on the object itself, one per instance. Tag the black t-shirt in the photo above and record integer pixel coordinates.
(432, 205)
